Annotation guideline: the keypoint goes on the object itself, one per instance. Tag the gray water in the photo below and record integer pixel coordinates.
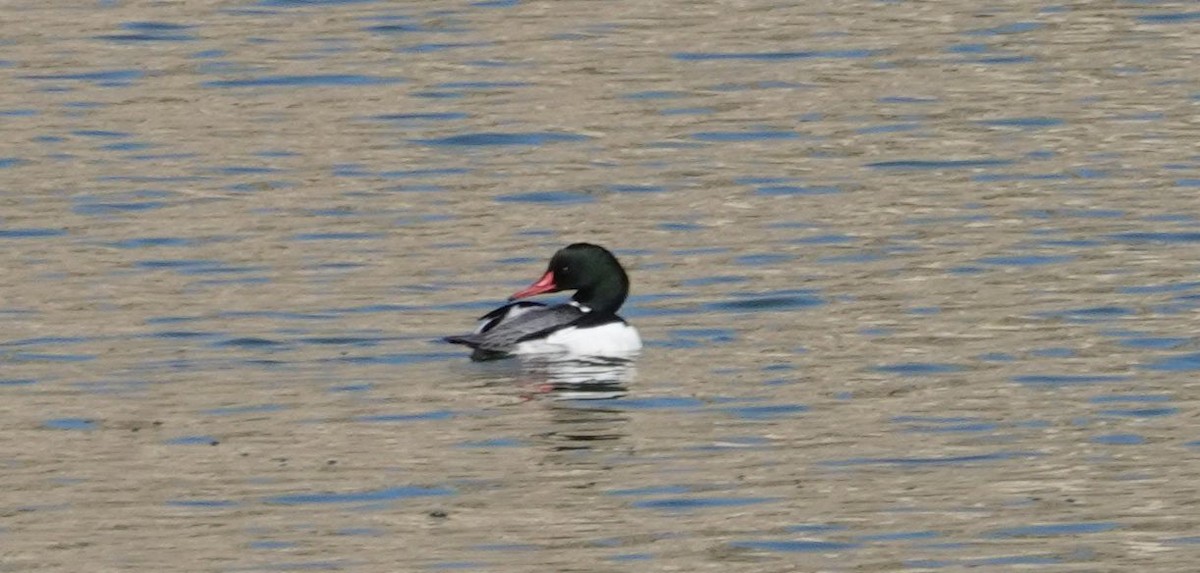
(918, 284)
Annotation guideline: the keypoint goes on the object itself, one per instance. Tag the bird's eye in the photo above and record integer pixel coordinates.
(565, 269)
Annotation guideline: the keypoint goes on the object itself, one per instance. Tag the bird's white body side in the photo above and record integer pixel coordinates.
(611, 339)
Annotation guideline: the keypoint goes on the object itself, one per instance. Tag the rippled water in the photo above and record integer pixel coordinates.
(918, 285)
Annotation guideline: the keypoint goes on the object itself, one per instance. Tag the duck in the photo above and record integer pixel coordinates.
(586, 326)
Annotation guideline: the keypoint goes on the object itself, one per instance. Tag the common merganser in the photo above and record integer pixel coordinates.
(588, 325)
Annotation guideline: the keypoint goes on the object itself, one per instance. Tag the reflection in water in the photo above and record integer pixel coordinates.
(556, 378)
(580, 378)
(584, 412)
(581, 395)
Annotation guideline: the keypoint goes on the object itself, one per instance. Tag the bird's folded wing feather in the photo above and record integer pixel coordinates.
(528, 324)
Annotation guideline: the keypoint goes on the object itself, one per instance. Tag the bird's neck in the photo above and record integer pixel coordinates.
(606, 296)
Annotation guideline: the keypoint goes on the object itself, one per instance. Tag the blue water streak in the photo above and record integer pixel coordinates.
(933, 165)
(503, 139)
(776, 56)
(799, 546)
(310, 80)
(388, 494)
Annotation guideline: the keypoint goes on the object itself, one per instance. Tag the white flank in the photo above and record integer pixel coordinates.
(613, 339)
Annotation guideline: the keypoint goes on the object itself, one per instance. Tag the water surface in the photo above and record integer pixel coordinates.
(918, 286)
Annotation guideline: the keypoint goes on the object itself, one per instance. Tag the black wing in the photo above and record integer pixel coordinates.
(506, 312)
(506, 327)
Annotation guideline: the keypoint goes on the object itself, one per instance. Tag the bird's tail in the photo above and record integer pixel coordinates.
(477, 354)
(464, 339)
